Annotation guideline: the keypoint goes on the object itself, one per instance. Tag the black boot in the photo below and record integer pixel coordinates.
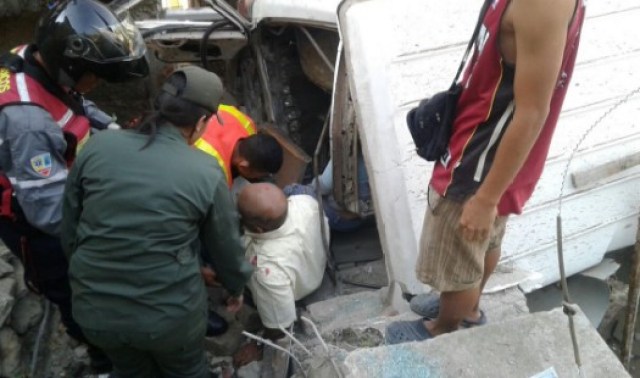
(216, 325)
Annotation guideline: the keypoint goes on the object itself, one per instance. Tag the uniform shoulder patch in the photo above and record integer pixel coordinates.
(41, 164)
(5, 80)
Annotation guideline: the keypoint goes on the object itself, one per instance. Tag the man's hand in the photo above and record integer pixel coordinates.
(246, 354)
(209, 276)
(477, 219)
(234, 304)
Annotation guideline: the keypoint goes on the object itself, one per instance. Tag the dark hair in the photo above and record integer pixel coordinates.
(172, 109)
(262, 151)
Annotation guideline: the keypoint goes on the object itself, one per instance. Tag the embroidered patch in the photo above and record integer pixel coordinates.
(41, 164)
(5, 80)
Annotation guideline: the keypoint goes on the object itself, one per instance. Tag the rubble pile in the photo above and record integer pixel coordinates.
(20, 315)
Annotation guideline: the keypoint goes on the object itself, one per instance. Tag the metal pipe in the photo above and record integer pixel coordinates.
(632, 306)
(277, 347)
(36, 346)
(225, 9)
(323, 56)
(316, 174)
(568, 307)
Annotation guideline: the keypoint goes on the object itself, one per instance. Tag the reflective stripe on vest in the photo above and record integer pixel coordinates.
(206, 147)
(219, 140)
(18, 88)
(242, 118)
(23, 89)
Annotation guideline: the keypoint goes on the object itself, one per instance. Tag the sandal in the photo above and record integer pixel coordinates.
(407, 331)
(428, 306)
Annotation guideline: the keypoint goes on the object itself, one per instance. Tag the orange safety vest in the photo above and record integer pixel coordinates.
(219, 140)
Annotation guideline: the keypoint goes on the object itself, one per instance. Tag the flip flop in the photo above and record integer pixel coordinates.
(428, 306)
(482, 320)
(406, 331)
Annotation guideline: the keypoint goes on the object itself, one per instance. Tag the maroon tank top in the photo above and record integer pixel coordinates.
(485, 110)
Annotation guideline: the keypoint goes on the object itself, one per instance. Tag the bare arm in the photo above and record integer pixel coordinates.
(540, 28)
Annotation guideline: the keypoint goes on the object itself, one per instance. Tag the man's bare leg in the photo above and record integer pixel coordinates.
(452, 304)
(454, 307)
(490, 262)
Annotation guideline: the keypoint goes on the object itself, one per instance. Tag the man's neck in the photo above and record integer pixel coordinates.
(235, 160)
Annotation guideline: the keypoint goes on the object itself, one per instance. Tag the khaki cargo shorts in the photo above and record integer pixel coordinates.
(446, 261)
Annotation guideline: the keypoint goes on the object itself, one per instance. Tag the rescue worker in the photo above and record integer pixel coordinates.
(136, 206)
(44, 121)
(233, 140)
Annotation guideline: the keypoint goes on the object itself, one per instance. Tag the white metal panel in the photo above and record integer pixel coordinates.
(401, 52)
(310, 12)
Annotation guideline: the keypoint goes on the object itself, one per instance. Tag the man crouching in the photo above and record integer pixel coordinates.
(284, 242)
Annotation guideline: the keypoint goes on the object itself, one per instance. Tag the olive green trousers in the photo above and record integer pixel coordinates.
(173, 353)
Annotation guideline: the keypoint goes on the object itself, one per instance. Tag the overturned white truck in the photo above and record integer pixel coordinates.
(284, 62)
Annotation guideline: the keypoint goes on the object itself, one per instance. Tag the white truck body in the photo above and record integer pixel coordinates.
(307, 12)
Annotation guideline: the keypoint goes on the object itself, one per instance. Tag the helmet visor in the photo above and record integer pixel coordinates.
(121, 71)
(115, 42)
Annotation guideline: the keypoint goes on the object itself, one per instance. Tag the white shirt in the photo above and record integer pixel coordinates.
(290, 262)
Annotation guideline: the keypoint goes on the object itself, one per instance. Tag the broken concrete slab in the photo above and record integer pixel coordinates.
(371, 274)
(5, 268)
(506, 276)
(7, 300)
(343, 311)
(504, 305)
(26, 313)
(367, 309)
(520, 347)
(10, 349)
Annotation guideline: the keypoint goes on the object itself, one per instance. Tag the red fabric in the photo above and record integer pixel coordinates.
(6, 192)
(486, 96)
(76, 128)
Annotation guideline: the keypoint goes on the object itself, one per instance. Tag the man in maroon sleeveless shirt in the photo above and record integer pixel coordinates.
(513, 92)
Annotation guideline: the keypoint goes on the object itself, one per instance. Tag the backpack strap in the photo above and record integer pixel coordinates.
(474, 36)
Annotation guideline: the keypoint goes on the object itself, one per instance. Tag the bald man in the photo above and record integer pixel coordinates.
(284, 242)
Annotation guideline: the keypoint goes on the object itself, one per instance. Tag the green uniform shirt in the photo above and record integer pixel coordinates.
(132, 219)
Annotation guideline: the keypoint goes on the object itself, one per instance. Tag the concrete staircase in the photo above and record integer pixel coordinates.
(513, 344)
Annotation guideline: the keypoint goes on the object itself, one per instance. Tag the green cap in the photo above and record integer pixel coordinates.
(203, 88)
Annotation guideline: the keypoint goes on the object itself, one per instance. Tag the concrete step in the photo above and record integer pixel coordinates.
(369, 310)
(517, 347)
